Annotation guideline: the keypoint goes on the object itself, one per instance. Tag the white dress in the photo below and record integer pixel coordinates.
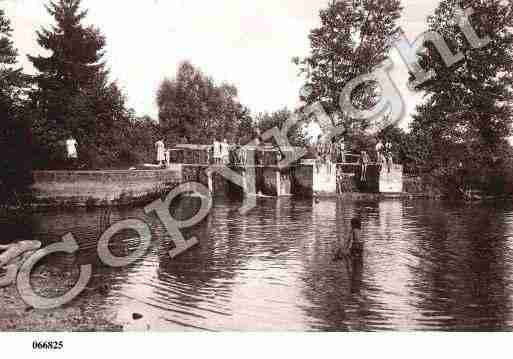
(217, 150)
(71, 147)
(225, 152)
(161, 147)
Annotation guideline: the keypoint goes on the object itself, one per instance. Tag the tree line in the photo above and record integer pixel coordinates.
(459, 136)
(459, 133)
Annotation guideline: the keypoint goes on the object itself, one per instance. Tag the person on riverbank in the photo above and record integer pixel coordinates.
(342, 151)
(161, 148)
(225, 152)
(243, 154)
(389, 159)
(379, 154)
(217, 152)
(364, 161)
(235, 153)
(71, 152)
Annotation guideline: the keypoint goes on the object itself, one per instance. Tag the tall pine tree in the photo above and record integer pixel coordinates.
(467, 115)
(73, 96)
(15, 156)
(352, 40)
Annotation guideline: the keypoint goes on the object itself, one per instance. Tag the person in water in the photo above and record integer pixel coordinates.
(352, 245)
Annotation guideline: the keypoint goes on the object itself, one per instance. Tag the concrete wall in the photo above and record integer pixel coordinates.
(215, 182)
(274, 182)
(391, 181)
(268, 180)
(347, 183)
(284, 179)
(333, 179)
(302, 181)
(373, 179)
(93, 188)
(324, 179)
(422, 187)
(310, 179)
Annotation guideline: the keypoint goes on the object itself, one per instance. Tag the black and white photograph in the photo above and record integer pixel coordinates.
(292, 166)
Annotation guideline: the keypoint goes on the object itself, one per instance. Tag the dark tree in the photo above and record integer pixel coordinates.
(267, 121)
(247, 128)
(404, 148)
(15, 145)
(73, 95)
(193, 106)
(467, 115)
(352, 40)
(138, 137)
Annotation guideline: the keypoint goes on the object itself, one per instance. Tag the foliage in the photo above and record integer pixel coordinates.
(138, 140)
(352, 40)
(267, 121)
(463, 124)
(193, 107)
(405, 150)
(73, 96)
(15, 161)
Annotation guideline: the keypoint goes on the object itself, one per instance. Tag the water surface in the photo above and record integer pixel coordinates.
(425, 266)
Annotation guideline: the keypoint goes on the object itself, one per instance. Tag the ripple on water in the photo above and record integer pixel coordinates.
(425, 265)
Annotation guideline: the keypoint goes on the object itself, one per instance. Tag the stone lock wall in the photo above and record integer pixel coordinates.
(98, 188)
(391, 180)
(302, 181)
(95, 188)
(274, 182)
(320, 179)
(324, 179)
(285, 182)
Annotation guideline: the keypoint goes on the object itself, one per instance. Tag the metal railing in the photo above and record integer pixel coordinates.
(238, 155)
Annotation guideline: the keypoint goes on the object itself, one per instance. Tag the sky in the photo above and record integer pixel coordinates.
(247, 43)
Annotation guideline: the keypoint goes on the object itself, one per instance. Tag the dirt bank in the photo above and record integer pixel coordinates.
(77, 316)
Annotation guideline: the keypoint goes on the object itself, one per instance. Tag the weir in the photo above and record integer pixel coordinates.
(189, 163)
(303, 178)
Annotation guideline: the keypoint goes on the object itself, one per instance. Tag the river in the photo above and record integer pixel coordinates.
(426, 265)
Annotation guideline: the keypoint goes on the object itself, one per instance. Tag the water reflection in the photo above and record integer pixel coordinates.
(462, 278)
(425, 265)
